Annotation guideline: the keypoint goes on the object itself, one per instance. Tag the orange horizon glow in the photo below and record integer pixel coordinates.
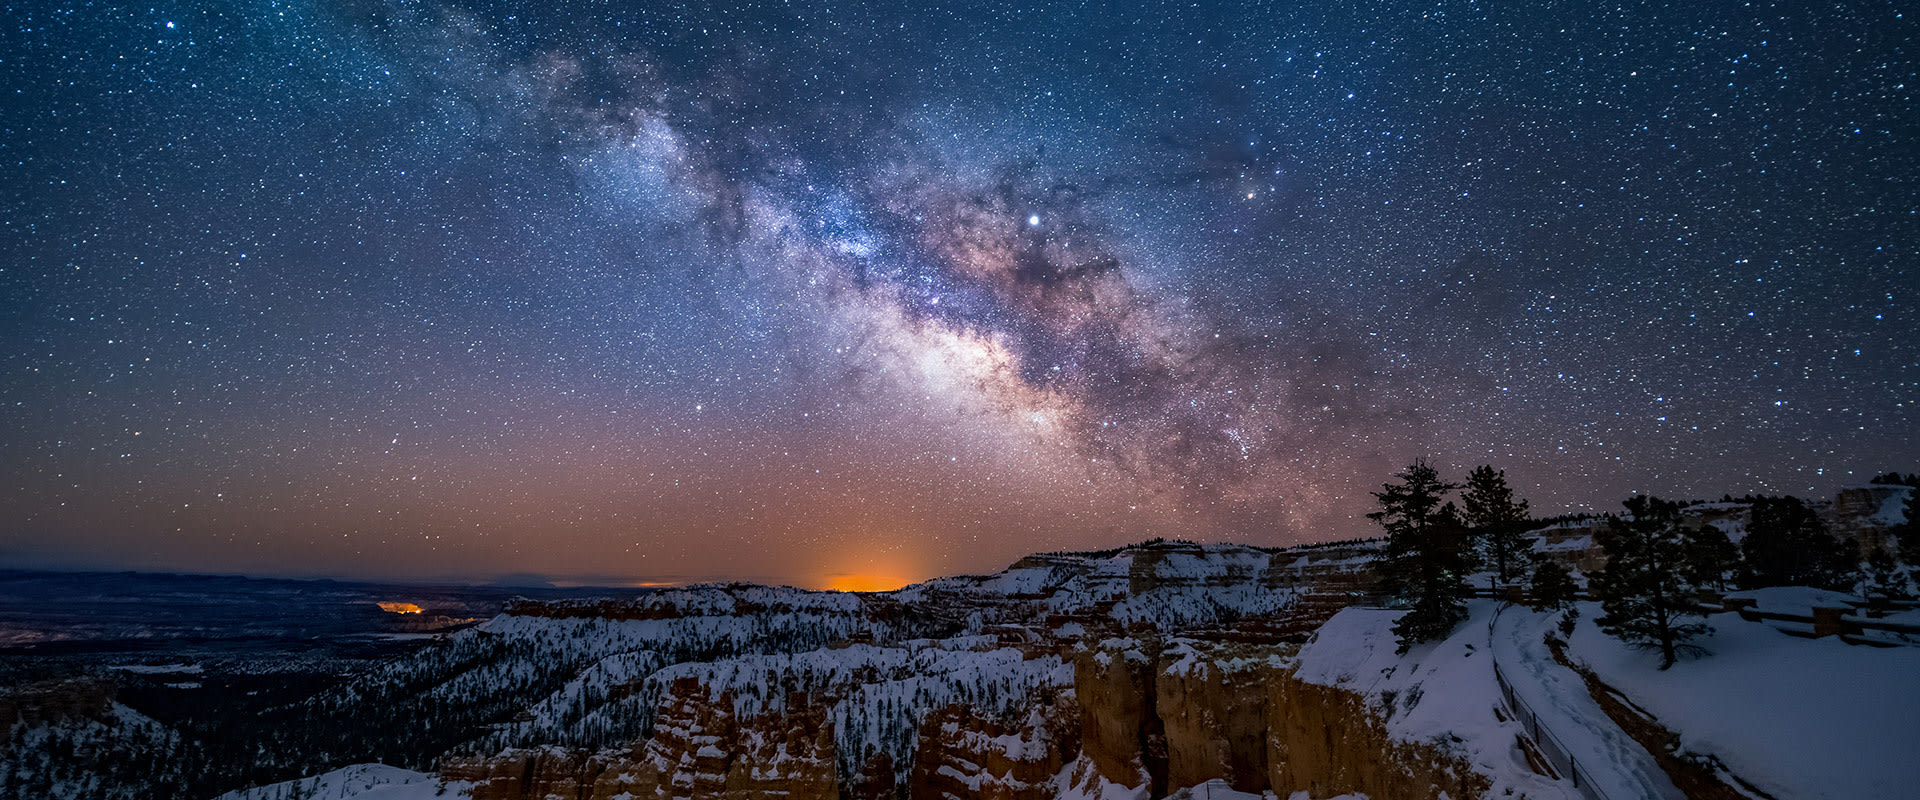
(863, 582)
(401, 608)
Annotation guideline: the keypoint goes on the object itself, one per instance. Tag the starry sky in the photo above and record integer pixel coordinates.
(833, 293)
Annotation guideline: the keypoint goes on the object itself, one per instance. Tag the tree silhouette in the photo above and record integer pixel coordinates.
(1908, 531)
(1788, 545)
(1552, 585)
(1498, 520)
(1427, 555)
(1710, 556)
(1644, 591)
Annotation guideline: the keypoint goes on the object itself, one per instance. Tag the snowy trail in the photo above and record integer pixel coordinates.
(1618, 765)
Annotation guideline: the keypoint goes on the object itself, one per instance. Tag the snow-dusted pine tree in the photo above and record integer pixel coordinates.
(1498, 520)
(1788, 545)
(1644, 590)
(1428, 554)
(1552, 585)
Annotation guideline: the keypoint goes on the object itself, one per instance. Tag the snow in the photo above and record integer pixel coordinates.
(356, 782)
(1795, 599)
(1438, 693)
(1571, 544)
(1191, 584)
(1559, 696)
(1893, 505)
(1188, 658)
(162, 669)
(1218, 789)
(1735, 528)
(1027, 580)
(578, 714)
(1081, 781)
(884, 714)
(1799, 718)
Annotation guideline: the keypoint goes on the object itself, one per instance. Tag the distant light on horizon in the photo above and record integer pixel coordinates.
(865, 583)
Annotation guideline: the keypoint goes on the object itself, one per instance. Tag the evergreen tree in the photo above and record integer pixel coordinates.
(1882, 577)
(1710, 556)
(1552, 585)
(1907, 533)
(1644, 591)
(1498, 520)
(1427, 555)
(1788, 545)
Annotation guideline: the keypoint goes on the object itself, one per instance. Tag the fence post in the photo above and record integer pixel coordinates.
(1827, 622)
(1744, 606)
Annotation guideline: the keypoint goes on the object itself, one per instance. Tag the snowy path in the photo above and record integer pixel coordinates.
(1619, 766)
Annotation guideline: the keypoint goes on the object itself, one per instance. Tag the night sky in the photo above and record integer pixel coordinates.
(832, 294)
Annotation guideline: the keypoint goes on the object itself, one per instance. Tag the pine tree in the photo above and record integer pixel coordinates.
(1426, 559)
(1908, 531)
(1497, 520)
(1882, 577)
(1788, 545)
(1644, 591)
(1552, 585)
(1710, 556)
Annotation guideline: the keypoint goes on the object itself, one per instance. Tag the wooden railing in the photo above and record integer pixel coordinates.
(1846, 622)
(1824, 620)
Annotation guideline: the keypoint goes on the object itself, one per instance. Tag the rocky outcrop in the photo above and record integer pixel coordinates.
(1119, 729)
(1867, 513)
(1189, 565)
(876, 779)
(1212, 704)
(699, 750)
(1324, 740)
(1200, 711)
(788, 755)
(962, 755)
(53, 703)
(532, 773)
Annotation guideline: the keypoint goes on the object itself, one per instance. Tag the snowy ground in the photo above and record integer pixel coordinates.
(1799, 718)
(356, 782)
(1618, 765)
(1219, 790)
(1439, 693)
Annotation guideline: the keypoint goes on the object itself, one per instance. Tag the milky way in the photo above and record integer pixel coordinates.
(641, 292)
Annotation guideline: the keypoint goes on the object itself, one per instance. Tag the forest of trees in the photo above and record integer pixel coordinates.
(1658, 561)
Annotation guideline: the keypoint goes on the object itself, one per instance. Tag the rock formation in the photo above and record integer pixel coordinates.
(1152, 669)
(52, 703)
(1212, 704)
(699, 750)
(1114, 683)
(964, 755)
(1328, 741)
